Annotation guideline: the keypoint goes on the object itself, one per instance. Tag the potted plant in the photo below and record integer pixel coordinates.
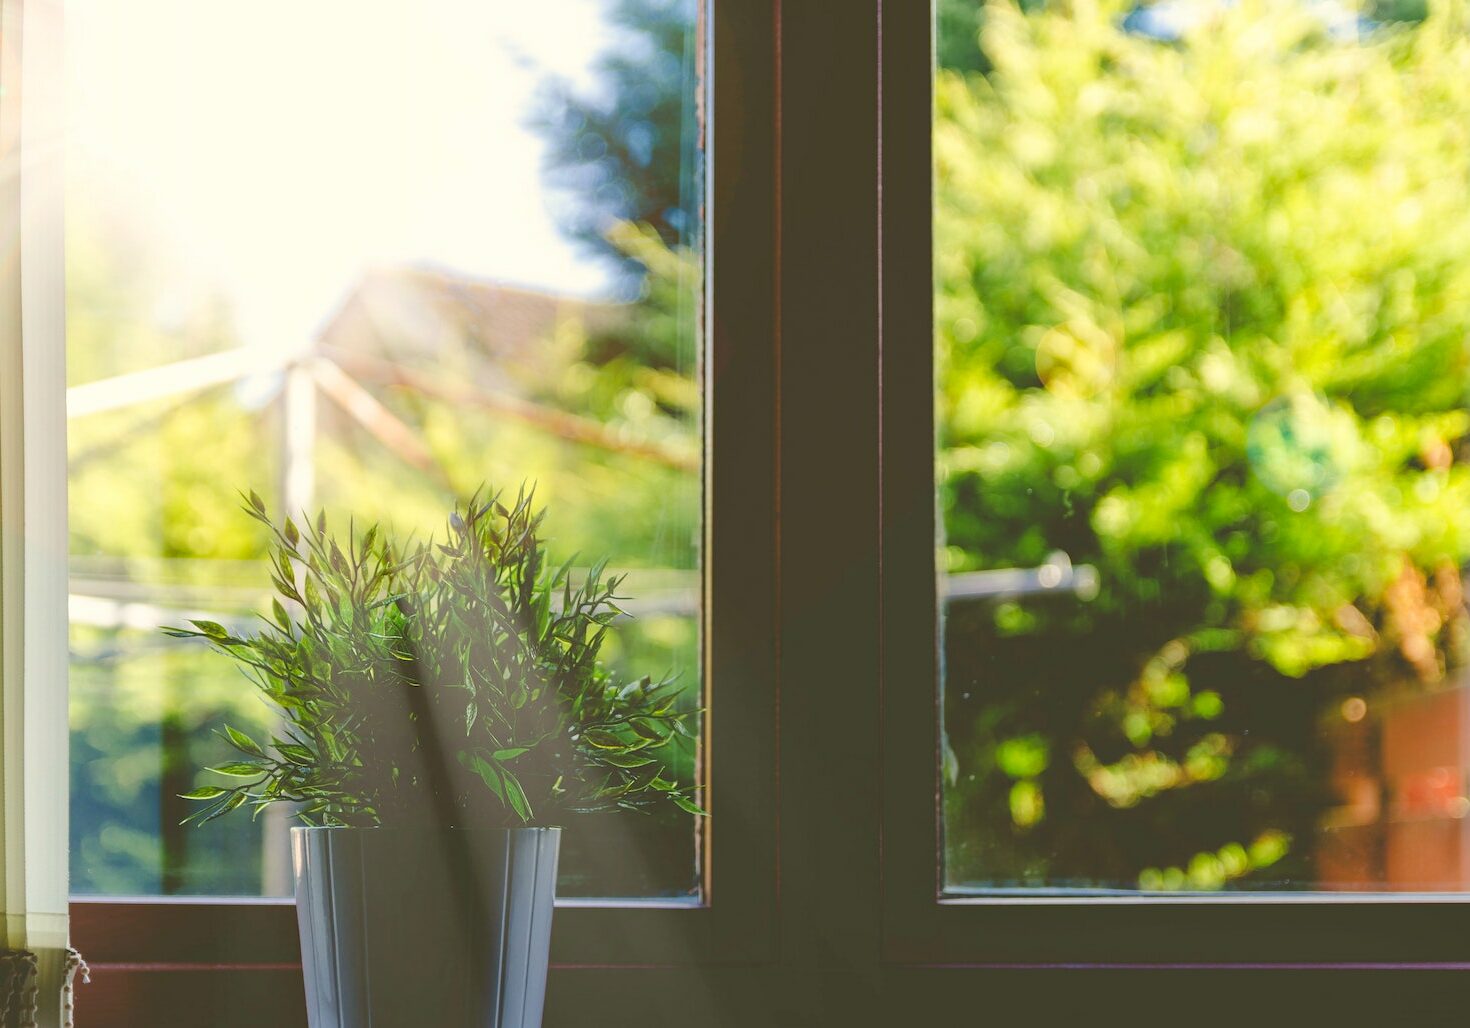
(444, 714)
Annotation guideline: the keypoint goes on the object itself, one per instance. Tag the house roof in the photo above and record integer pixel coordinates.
(497, 335)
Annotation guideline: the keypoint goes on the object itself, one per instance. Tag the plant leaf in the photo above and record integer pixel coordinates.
(243, 742)
(603, 739)
(235, 800)
(647, 730)
(516, 796)
(626, 760)
(238, 769)
(206, 792)
(299, 755)
(688, 805)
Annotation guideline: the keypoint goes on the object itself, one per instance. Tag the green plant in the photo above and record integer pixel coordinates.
(453, 683)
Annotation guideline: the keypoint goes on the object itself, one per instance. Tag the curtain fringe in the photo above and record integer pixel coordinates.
(20, 988)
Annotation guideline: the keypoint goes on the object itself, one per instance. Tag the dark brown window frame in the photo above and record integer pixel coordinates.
(922, 924)
(141, 950)
(823, 904)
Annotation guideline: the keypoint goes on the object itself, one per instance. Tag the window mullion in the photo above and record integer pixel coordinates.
(828, 359)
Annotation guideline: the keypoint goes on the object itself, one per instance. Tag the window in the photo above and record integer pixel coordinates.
(1201, 452)
(1161, 732)
(406, 280)
(847, 876)
(463, 248)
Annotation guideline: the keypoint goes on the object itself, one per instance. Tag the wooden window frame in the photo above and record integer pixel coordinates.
(921, 924)
(823, 904)
(147, 951)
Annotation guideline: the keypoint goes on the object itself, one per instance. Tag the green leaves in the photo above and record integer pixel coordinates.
(626, 760)
(516, 796)
(243, 742)
(687, 805)
(604, 740)
(207, 792)
(505, 785)
(480, 649)
(647, 730)
(302, 756)
(1170, 344)
(232, 801)
(239, 769)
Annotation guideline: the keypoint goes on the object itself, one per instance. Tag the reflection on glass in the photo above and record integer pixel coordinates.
(1203, 337)
(365, 261)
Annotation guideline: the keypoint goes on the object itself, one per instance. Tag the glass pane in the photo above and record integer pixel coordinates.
(1202, 307)
(366, 260)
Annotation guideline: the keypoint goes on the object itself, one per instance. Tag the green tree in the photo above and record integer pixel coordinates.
(627, 147)
(1202, 319)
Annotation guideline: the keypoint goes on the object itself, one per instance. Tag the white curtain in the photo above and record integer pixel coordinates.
(33, 536)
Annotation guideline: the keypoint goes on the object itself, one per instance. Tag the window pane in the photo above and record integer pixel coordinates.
(1202, 310)
(366, 261)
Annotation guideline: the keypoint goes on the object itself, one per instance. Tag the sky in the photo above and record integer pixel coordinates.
(277, 148)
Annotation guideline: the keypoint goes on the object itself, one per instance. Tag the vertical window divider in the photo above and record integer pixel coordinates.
(828, 358)
(910, 662)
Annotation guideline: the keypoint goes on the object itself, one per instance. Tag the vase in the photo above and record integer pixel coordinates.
(403, 927)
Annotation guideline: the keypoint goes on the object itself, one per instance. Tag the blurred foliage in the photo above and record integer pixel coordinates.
(142, 728)
(957, 31)
(960, 24)
(1202, 316)
(626, 146)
